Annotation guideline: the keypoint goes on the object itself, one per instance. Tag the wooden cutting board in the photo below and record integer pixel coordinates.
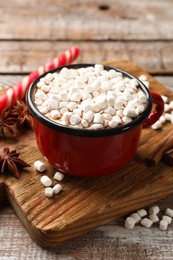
(84, 203)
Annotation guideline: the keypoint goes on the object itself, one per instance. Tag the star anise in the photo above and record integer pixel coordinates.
(20, 111)
(6, 122)
(10, 162)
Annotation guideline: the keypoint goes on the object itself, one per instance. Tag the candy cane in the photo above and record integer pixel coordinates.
(18, 91)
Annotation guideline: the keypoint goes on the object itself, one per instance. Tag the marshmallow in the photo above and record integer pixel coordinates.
(142, 212)
(136, 217)
(74, 119)
(129, 223)
(55, 114)
(154, 210)
(39, 166)
(52, 104)
(169, 212)
(57, 188)
(146, 222)
(163, 225)
(167, 218)
(58, 176)
(46, 181)
(98, 118)
(48, 192)
(154, 218)
(165, 98)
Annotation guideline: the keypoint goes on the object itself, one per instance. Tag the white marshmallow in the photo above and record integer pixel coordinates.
(129, 223)
(142, 212)
(166, 107)
(154, 218)
(162, 119)
(117, 119)
(154, 210)
(72, 105)
(163, 225)
(58, 176)
(136, 217)
(98, 118)
(165, 98)
(168, 116)
(98, 67)
(55, 114)
(88, 116)
(77, 111)
(66, 116)
(142, 97)
(75, 119)
(45, 88)
(84, 123)
(38, 102)
(107, 116)
(40, 95)
(63, 110)
(156, 125)
(44, 110)
(112, 123)
(126, 119)
(101, 101)
(143, 77)
(139, 109)
(96, 126)
(39, 166)
(46, 181)
(52, 104)
(146, 222)
(76, 97)
(169, 212)
(48, 192)
(63, 104)
(167, 218)
(96, 85)
(57, 188)
(111, 73)
(63, 96)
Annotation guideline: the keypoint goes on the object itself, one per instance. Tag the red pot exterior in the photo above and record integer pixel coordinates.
(87, 156)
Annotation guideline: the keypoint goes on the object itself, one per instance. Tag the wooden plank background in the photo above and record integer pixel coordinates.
(34, 32)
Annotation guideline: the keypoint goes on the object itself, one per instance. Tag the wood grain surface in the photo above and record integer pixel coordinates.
(85, 203)
(33, 32)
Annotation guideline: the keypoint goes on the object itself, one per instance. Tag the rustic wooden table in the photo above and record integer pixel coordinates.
(33, 32)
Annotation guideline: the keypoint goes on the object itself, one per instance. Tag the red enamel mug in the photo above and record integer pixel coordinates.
(86, 152)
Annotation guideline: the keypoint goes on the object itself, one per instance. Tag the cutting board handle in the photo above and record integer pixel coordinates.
(157, 112)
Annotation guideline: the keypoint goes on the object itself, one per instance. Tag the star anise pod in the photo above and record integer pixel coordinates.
(6, 122)
(10, 162)
(20, 111)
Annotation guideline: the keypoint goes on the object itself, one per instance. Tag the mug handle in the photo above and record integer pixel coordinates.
(155, 114)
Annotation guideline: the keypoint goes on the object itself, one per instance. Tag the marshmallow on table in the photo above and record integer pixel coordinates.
(58, 176)
(154, 218)
(154, 210)
(142, 212)
(39, 166)
(169, 212)
(48, 192)
(136, 217)
(57, 188)
(163, 225)
(46, 181)
(167, 218)
(146, 222)
(129, 223)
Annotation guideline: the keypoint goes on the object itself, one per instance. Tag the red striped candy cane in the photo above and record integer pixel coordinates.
(18, 91)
